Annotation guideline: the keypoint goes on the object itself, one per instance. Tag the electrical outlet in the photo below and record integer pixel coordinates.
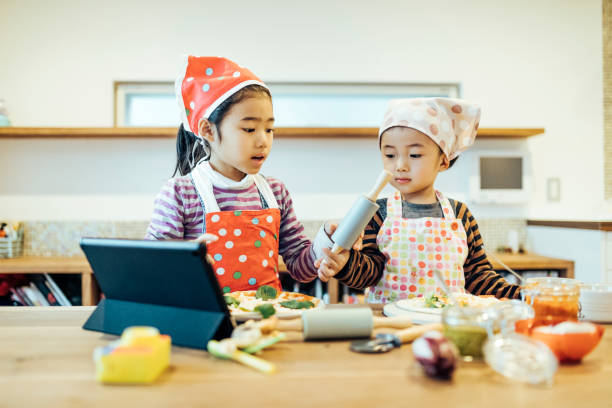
(553, 189)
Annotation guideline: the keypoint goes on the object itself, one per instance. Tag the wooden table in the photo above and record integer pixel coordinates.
(46, 360)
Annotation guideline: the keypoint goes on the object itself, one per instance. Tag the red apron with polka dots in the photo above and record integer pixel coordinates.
(415, 247)
(246, 254)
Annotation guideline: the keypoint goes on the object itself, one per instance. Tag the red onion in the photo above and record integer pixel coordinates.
(436, 354)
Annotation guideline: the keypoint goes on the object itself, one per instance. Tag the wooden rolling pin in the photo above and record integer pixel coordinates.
(335, 324)
(412, 333)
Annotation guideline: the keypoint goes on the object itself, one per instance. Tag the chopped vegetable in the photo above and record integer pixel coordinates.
(265, 292)
(434, 301)
(297, 304)
(266, 310)
(265, 342)
(230, 300)
(227, 350)
(436, 354)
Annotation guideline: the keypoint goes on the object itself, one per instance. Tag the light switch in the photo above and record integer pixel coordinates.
(553, 189)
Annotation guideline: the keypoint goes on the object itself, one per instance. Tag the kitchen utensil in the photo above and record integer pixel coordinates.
(358, 216)
(387, 342)
(336, 323)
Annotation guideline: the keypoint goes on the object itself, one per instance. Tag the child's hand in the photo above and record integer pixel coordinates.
(331, 264)
(207, 239)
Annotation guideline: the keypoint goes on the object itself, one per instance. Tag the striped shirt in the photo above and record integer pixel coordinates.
(178, 214)
(365, 268)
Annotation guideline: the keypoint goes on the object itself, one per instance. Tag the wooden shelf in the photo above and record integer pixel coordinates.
(31, 264)
(282, 132)
(590, 225)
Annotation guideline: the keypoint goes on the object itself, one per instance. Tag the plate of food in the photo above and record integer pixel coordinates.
(267, 301)
(428, 309)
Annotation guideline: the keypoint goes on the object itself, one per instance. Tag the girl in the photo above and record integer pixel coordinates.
(225, 137)
(418, 229)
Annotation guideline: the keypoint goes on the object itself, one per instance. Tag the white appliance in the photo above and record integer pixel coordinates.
(501, 177)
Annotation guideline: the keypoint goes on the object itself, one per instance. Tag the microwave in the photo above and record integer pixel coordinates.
(501, 178)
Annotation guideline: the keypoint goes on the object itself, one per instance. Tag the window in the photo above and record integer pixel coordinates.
(296, 104)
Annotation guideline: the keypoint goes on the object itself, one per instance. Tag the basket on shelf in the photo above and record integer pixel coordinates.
(12, 247)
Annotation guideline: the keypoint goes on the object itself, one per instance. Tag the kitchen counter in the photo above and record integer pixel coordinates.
(46, 360)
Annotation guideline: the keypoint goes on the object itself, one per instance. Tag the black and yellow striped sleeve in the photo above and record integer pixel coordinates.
(480, 278)
(365, 268)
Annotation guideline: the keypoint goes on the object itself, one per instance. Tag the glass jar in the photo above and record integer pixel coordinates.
(507, 314)
(467, 328)
(554, 300)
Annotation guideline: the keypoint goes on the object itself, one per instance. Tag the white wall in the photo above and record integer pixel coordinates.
(529, 63)
(587, 248)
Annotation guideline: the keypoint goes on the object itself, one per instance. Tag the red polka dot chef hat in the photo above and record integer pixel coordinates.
(451, 123)
(204, 83)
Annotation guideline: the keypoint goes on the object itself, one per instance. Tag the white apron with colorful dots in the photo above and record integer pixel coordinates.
(414, 248)
(246, 254)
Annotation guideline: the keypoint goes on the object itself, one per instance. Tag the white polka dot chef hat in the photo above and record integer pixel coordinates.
(451, 123)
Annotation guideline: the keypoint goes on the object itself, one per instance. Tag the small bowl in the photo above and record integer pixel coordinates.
(569, 347)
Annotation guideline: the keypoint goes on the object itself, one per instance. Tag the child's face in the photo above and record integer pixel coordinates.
(414, 160)
(246, 138)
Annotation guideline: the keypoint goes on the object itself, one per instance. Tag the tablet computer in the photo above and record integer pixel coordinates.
(165, 284)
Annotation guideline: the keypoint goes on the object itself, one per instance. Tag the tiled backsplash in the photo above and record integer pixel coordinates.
(61, 238)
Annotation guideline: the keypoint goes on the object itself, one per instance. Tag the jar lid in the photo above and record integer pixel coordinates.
(551, 286)
(465, 315)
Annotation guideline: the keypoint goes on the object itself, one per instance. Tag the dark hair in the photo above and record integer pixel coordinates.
(450, 164)
(185, 140)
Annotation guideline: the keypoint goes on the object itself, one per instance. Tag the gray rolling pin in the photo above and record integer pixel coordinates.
(341, 323)
(358, 216)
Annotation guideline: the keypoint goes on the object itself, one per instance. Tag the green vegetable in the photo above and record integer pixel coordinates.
(265, 292)
(264, 342)
(230, 300)
(434, 301)
(266, 310)
(297, 304)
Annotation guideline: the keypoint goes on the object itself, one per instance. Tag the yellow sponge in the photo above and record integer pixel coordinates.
(138, 357)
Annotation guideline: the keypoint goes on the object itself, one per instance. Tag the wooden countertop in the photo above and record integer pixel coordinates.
(46, 360)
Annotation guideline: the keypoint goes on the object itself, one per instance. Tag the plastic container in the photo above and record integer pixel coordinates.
(554, 300)
(12, 246)
(138, 357)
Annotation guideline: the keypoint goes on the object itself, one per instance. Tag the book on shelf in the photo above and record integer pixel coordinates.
(24, 296)
(42, 290)
(31, 295)
(40, 282)
(16, 295)
(57, 292)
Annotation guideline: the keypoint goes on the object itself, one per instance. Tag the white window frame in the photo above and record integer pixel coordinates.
(453, 90)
